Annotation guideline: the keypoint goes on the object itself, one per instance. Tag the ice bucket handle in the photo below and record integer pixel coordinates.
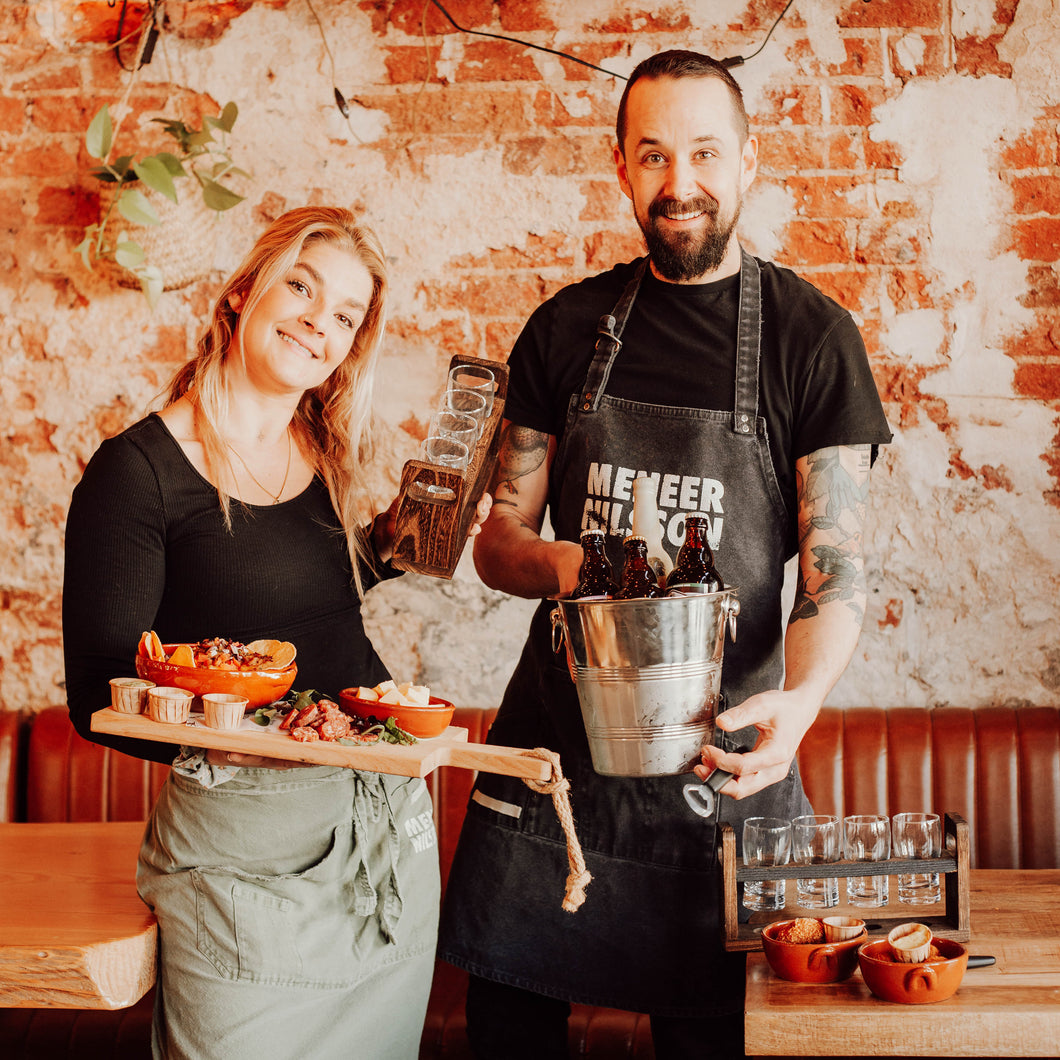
(557, 631)
(732, 606)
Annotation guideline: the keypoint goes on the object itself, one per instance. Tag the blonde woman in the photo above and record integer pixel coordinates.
(296, 917)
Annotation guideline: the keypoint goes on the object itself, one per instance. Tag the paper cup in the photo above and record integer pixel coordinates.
(223, 710)
(170, 705)
(911, 943)
(129, 694)
(841, 928)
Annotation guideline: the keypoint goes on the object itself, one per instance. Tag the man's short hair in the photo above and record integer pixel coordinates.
(676, 64)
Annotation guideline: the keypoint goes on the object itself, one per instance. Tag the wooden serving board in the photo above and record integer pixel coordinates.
(406, 760)
(431, 533)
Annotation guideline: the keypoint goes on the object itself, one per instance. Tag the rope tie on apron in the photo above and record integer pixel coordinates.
(370, 805)
(558, 787)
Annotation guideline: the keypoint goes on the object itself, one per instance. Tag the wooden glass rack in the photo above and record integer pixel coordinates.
(953, 922)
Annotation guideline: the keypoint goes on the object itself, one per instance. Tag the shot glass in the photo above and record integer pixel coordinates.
(466, 403)
(442, 452)
(473, 377)
(867, 837)
(766, 842)
(917, 835)
(816, 840)
(455, 425)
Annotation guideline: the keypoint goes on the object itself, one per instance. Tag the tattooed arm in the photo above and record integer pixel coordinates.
(824, 624)
(510, 553)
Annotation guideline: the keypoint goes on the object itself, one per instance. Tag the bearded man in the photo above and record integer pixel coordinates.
(746, 394)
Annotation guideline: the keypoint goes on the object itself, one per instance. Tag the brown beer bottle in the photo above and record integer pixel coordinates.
(694, 571)
(639, 580)
(596, 581)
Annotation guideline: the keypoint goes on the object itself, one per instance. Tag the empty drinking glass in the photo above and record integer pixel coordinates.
(917, 835)
(766, 842)
(466, 403)
(455, 425)
(867, 837)
(815, 840)
(475, 378)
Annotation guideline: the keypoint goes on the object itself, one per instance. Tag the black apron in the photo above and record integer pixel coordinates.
(648, 936)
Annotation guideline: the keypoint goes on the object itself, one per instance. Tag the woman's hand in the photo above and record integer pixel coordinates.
(234, 758)
(384, 525)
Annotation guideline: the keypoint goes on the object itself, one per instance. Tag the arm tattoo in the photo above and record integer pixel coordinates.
(833, 501)
(522, 451)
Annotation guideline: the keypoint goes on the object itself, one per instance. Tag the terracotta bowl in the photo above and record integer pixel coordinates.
(260, 687)
(913, 984)
(811, 962)
(422, 722)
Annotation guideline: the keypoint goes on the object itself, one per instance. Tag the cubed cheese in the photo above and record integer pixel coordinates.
(392, 696)
(384, 687)
(367, 693)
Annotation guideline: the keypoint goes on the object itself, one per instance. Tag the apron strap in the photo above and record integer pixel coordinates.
(609, 343)
(748, 346)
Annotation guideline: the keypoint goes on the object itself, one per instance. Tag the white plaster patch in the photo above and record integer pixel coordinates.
(910, 50)
(767, 211)
(822, 30)
(1031, 45)
(972, 18)
(918, 337)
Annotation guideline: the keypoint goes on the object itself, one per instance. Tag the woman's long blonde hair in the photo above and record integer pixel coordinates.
(332, 423)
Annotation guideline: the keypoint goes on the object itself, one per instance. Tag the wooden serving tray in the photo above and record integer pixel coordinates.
(950, 920)
(405, 760)
(431, 534)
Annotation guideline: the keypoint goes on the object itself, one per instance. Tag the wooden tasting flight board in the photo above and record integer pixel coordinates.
(406, 760)
(431, 534)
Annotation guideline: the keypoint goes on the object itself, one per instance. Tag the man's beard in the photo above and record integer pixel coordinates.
(681, 256)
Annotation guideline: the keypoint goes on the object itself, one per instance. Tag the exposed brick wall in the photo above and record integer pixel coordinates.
(909, 167)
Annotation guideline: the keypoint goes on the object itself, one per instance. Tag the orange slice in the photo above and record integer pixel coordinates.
(151, 646)
(182, 656)
(282, 656)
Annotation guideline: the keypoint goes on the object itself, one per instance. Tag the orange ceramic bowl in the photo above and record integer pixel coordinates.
(810, 962)
(260, 687)
(423, 722)
(913, 984)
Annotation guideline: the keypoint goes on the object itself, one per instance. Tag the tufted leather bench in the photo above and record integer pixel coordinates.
(998, 767)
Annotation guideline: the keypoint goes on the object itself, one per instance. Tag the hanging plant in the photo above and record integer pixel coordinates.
(171, 197)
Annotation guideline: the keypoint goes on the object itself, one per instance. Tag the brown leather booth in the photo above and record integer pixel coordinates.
(998, 767)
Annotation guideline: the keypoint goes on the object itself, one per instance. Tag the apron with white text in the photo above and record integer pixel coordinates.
(648, 935)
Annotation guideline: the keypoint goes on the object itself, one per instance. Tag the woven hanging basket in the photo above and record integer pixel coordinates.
(182, 247)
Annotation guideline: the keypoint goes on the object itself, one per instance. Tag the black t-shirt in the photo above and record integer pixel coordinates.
(678, 348)
(146, 548)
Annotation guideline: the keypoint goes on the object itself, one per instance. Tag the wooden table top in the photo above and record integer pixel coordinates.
(73, 931)
(1011, 1008)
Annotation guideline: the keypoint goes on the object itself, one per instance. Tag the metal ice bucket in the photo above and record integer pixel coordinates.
(648, 674)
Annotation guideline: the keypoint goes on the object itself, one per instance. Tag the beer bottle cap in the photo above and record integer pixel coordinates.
(592, 532)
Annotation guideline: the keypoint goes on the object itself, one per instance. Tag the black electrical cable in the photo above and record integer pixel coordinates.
(525, 44)
(739, 60)
(152, 33)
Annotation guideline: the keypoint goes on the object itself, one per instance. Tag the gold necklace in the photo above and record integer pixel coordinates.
(275, 496)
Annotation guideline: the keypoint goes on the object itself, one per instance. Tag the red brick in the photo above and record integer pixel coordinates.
(1033, 149)
(496, 61)
(1036, 194)
(644, 20)
(783, 150)
(600, 55)
(550, 112)
(407, 16)
(12, 114)
(16, 26)
(827, 196)
(605, 249)
(791, 105)
(54, 77)
(882, 243)
(454, 109)
(979, 57)
(604, 201)
(497, 296)
(1043, 287)
(66, 207)
(525, 16)
(891, 14)
(864, 58)
(908, 289)
(882, 154)
(408, 64)
(35, 162)
(97, 20)
(854, 104)
(1039, 381)
(851, 288)
(198, 21)
(499, 338)
(815, 243)
(556, 248)
(1038, 239)
(558, 154)
(933, 56)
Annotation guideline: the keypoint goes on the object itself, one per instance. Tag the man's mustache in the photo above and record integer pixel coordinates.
(670, 207)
